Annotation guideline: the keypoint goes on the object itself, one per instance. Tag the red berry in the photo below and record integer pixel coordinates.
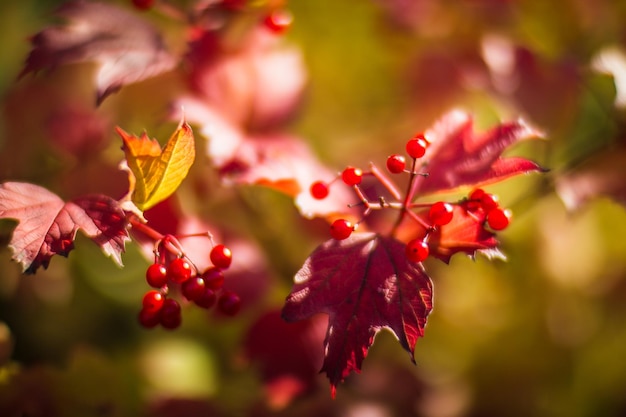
(143, 4)
(207, 299)
(341, 229)
(441, 213)
(221, 256)
(149, 319)
(170, 314)
(352, 176)
(396, 164)
(416, 147)
(193, 288)
(156, 275)
(171, 322)
(417, 250)
(213, 278)
(498, 219)
(179, 270)
(319, 190)
(229, 303)
(153, 301)
(278, 21)
(489, 202)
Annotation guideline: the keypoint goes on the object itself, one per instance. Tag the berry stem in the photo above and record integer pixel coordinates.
(384, 180)
(142, 227)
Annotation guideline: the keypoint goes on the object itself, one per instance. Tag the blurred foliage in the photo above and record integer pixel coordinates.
(542, 334)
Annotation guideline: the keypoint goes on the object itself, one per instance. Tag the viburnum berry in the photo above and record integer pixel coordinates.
(498, 219)
(417, 250)
(319, 190)
(149, 319)
(278, 21)
(341, 229)
(143, 4)
(170, 314)
(352, 176)
(179, 270)
(221, 256)
(229, 303)
(193, 288)
(207, 299)
(441, 213)
(396, 164)
(213, 278)
(153, 301)
(156, 275)
(416, 147)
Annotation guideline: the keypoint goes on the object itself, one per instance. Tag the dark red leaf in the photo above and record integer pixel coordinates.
(127, 47)
(364, 283)
(47, 225)
(458, 156)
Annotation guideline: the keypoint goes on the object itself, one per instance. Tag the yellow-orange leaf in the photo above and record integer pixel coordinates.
(155, 173)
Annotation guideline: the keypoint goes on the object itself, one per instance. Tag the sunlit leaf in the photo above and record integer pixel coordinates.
(155, 173)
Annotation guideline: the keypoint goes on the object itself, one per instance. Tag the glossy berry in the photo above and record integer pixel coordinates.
(440, 213)
(417, 250)
(416, 147)
(149, 319)
(229, 303)
(207, 299)
(170, 314)
(221, 256)
(278, 21)
(341, 229)
(143, 4)
(498, 219)
(153, 301)
(489, 202)
(319, 190)
(352, 176)
(156, 275)
(213, 278)
(396, 164)
(193, 288)
(179, 270)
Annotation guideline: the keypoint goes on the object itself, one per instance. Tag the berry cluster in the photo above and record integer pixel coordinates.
(481, 205)
(173, 272)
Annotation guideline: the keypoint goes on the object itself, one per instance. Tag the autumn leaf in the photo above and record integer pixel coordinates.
(47, 225)
(155, 173)
(459, 156)
(127, 48)
(364, 283)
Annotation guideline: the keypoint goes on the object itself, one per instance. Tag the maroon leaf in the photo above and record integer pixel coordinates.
(458, 156)
(127, 47)
(365, 284)
(47, 225)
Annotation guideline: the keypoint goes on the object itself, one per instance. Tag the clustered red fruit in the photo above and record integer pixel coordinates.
(497, 218)
(204, 289)
(482, 205)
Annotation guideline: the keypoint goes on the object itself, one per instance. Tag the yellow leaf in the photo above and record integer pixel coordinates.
(155, 173)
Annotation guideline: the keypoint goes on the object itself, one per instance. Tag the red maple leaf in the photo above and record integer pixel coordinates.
(127, 47)
(47, 225)
(365, 284)
(458, 156)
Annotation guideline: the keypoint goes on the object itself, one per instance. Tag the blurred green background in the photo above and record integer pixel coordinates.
(543, 334)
